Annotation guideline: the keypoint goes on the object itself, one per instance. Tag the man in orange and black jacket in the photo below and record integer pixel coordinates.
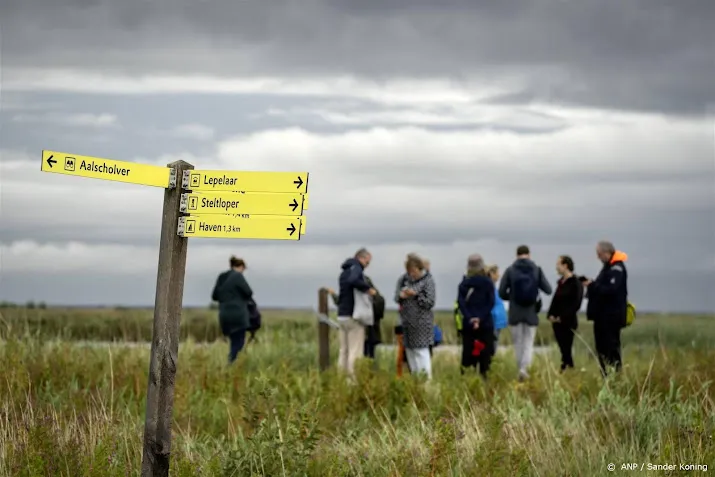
(607, 303)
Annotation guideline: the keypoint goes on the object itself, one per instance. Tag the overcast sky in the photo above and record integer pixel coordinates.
(469, 127)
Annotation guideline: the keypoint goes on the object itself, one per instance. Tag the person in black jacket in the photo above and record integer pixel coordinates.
(475, 298)
(564, 309)
(373, 334)
(607, 303)
(233, 293)
(352, 331)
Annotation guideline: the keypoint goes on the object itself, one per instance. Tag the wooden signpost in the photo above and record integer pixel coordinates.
(213, 204)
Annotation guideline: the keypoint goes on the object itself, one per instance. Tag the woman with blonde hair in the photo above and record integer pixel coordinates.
(499, 311)
(417, 298)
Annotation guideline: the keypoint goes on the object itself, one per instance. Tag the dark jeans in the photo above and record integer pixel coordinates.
(369, 349)
(484, 360)
(607, 335)
(564, 337)
(236, 341)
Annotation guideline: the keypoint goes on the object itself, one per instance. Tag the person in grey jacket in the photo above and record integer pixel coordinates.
(520, 286)
(418, 299)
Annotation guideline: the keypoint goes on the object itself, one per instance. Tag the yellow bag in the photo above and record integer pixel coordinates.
(630, 313)
(457, 318)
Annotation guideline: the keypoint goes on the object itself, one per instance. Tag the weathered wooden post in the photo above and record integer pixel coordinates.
(323, 330)
(165, 335)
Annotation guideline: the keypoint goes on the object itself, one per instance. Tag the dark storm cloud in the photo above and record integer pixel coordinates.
(644, 54)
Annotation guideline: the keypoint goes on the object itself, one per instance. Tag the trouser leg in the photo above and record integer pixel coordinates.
(485, 357)
(528, 350)
(236, 341)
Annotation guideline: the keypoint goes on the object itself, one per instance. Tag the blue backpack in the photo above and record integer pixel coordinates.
(437, 335)
(524, 286)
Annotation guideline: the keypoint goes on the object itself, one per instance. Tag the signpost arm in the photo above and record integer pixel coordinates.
(323, 330)
(165, 335)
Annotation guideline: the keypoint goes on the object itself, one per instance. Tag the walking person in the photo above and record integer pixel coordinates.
(499, 311)
(418, 298)
(352, 331)
(475, 298)
(520, 286)
(607, 304)
(233, 295)
(563, 311)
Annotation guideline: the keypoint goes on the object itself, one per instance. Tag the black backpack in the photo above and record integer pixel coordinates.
(254, 316)
(524, 286)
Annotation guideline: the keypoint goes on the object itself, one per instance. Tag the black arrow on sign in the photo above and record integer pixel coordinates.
(294, 204)
(50, 161)
(298, 183)
(291, 229)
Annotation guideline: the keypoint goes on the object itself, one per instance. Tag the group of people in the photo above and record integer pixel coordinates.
(479, 311)
(480, 314)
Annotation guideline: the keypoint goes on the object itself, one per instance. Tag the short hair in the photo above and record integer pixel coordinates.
(413, 261)
(236, 262)
(567, 261)
(522, 250)
(362, 253)
(475, 264)
(606, 246)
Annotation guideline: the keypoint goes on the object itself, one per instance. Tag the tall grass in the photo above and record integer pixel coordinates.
(69, 409)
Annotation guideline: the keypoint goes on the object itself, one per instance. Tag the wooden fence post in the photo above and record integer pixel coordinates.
(165, 334)
(323, 330)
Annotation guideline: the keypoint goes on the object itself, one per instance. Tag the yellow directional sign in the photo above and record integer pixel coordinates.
(306, 196)
(247, 181)
(260, 203)
(302, 219)
(267, 227)
(107, 169)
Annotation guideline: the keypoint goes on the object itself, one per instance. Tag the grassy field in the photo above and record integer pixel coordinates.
(70, 409)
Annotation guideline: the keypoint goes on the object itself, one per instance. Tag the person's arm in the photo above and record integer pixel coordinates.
(491, 298)
(574, 297)
(504, 285)
(427, 296)
(335, 297)
(356, 279)
(214, 293)
(219, 281)
(398, 290)
(462, 292)
(608, 283)
(243, 286)
(369, 282)
(554, 302)
(544, 283)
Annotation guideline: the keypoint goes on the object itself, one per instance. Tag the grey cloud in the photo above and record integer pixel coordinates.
(644, 55)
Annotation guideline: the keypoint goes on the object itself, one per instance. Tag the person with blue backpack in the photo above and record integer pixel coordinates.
(499, 311)
(520, 285)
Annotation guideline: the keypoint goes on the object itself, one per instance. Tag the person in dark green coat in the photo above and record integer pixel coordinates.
(232, 293)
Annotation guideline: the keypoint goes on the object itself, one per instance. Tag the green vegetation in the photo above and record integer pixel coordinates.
(201, 325)
(71, 409)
